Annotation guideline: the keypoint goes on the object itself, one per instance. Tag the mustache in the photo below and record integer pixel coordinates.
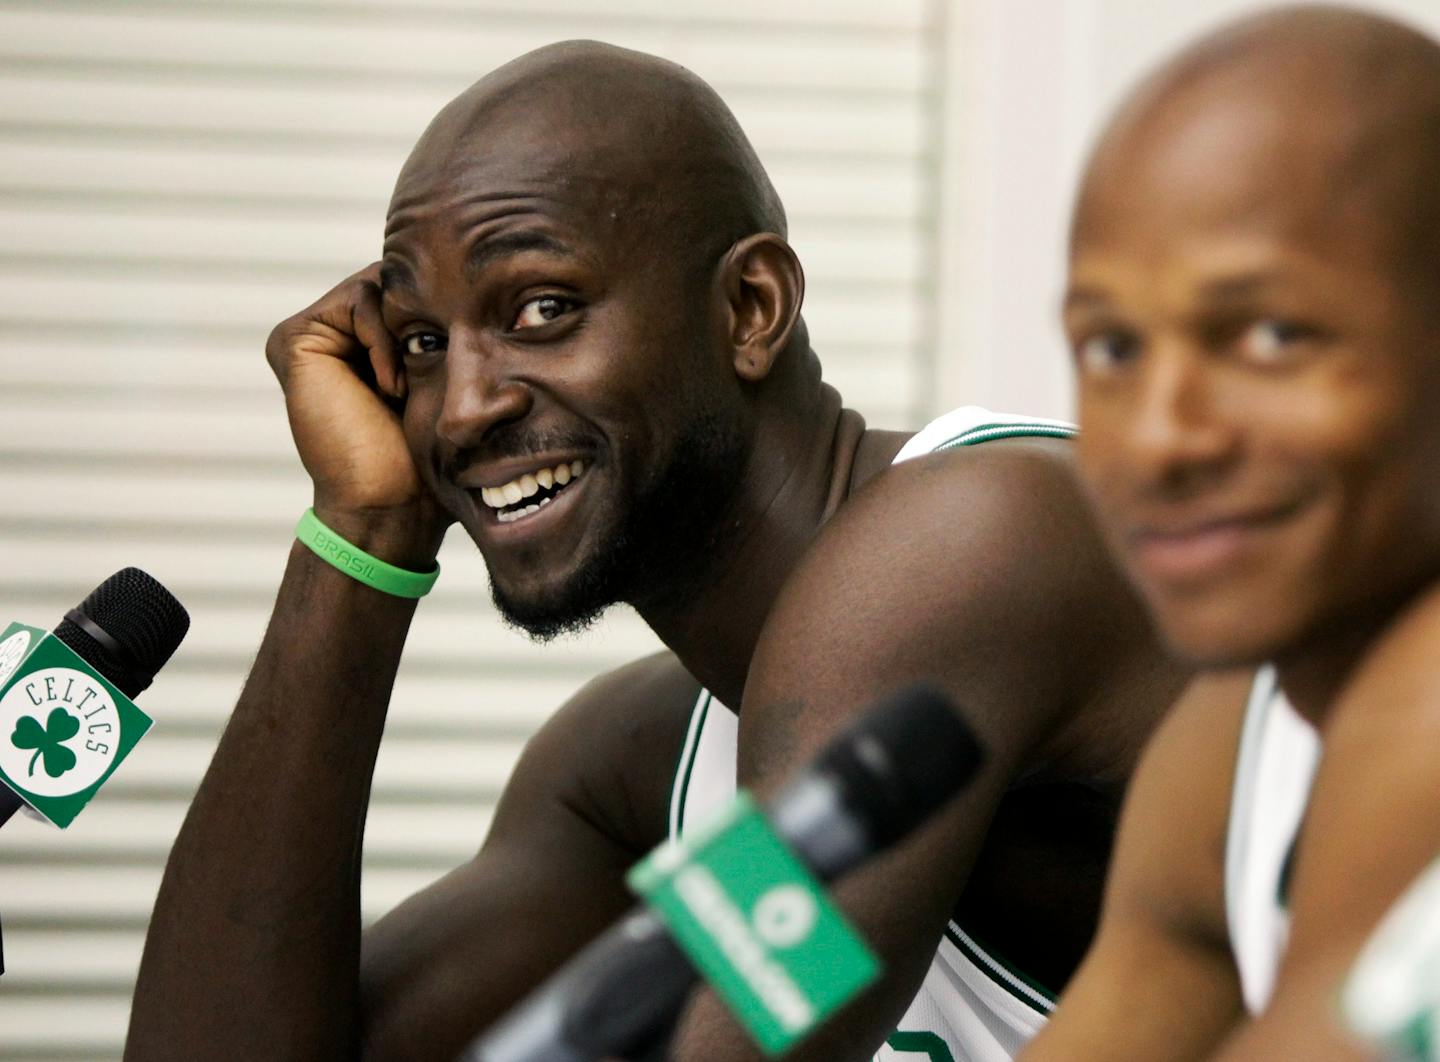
(515, 441)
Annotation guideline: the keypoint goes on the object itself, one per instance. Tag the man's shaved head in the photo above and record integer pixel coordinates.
(585, 265)
(1326, 89)
(657, 142)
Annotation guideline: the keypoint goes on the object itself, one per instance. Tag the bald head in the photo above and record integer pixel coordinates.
(1341, 102)
(648, 137)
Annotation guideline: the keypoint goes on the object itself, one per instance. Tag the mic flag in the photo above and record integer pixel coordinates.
(64, 727)
(757, 924)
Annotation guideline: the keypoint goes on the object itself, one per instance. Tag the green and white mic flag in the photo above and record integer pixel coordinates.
(63, 727)
(757, 924)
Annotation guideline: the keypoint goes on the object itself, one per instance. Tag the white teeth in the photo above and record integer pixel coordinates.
(528, 485)
(516, 514)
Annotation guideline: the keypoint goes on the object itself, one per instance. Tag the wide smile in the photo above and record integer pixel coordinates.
(525, 495)
(517, 505)
(1200, 551)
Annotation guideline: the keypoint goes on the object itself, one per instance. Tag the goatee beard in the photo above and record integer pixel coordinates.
(663, 541)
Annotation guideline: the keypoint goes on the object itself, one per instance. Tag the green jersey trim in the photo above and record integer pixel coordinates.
(1003, 973)
(991, 432)
(680, 788)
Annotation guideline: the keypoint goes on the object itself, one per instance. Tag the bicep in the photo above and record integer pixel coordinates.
(1159, 981)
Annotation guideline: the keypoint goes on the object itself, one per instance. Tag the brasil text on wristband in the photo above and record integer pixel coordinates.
(359, 565)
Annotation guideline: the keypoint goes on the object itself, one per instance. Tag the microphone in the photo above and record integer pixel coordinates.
(620, 996)
(126, 629)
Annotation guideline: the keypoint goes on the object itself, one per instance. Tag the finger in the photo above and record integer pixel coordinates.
(370, 330)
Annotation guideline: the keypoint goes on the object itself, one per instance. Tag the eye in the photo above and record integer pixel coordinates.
(420, 344)
(1106, 351)
(1271, 340)
(541, 311)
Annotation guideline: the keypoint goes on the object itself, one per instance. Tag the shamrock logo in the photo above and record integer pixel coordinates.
(60, 727)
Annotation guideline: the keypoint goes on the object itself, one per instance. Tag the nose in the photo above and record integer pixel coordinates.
(1178, 435)
(481, 392)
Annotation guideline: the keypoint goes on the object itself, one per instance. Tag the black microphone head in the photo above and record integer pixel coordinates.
(902, 760)
(126, 629)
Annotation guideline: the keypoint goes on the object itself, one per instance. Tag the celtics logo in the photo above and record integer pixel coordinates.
(59, 731)
(12, 651)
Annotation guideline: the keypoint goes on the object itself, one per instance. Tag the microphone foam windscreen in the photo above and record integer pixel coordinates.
(145, 620)
(902, 760)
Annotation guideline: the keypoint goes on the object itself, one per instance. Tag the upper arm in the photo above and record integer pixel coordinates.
(977, 576)
(976, 570)
(1159, 981)
(584, 802)
(1371, 827)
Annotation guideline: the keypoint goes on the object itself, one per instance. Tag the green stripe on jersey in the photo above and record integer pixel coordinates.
(1007, 976)
(920, 1043)
(982, 433)
(686, 767)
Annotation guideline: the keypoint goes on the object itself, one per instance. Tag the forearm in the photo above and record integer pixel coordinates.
(253, 947)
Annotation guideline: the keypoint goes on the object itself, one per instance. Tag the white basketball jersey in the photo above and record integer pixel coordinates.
(1279, 751)
(972, 1006)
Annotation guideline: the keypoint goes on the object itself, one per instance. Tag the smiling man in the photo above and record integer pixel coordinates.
(584, 344)
(1254, 306)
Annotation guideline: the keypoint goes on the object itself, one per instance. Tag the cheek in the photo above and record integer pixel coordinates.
(1099, 454)
(417, 421)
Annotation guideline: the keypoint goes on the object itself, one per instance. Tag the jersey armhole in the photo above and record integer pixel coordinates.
(1237, 832)
(685, 766)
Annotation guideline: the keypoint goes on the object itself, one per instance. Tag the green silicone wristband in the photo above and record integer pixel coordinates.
(359, 565)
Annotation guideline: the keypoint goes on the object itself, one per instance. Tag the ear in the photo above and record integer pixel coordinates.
(763, 286)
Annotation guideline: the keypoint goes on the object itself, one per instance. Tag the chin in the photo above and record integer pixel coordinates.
(1217, 639)
(560, 606)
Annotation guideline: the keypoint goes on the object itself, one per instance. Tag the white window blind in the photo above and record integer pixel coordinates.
(175, 177)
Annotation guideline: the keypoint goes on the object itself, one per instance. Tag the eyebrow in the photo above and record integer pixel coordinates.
(507, 244)
(1220, 291)
(395, 275)
(1236, 289)
(1082, 298)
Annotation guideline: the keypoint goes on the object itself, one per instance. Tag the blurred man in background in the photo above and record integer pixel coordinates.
(1255, 276)
(584, 345)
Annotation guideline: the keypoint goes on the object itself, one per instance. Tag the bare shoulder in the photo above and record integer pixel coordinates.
(1398, 674)
(609, 752)
(976, 568)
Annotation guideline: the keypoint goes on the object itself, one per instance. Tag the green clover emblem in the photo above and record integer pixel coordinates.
(60, 727)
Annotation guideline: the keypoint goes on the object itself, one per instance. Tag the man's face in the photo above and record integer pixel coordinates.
(566, 399)
(1257, 386)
